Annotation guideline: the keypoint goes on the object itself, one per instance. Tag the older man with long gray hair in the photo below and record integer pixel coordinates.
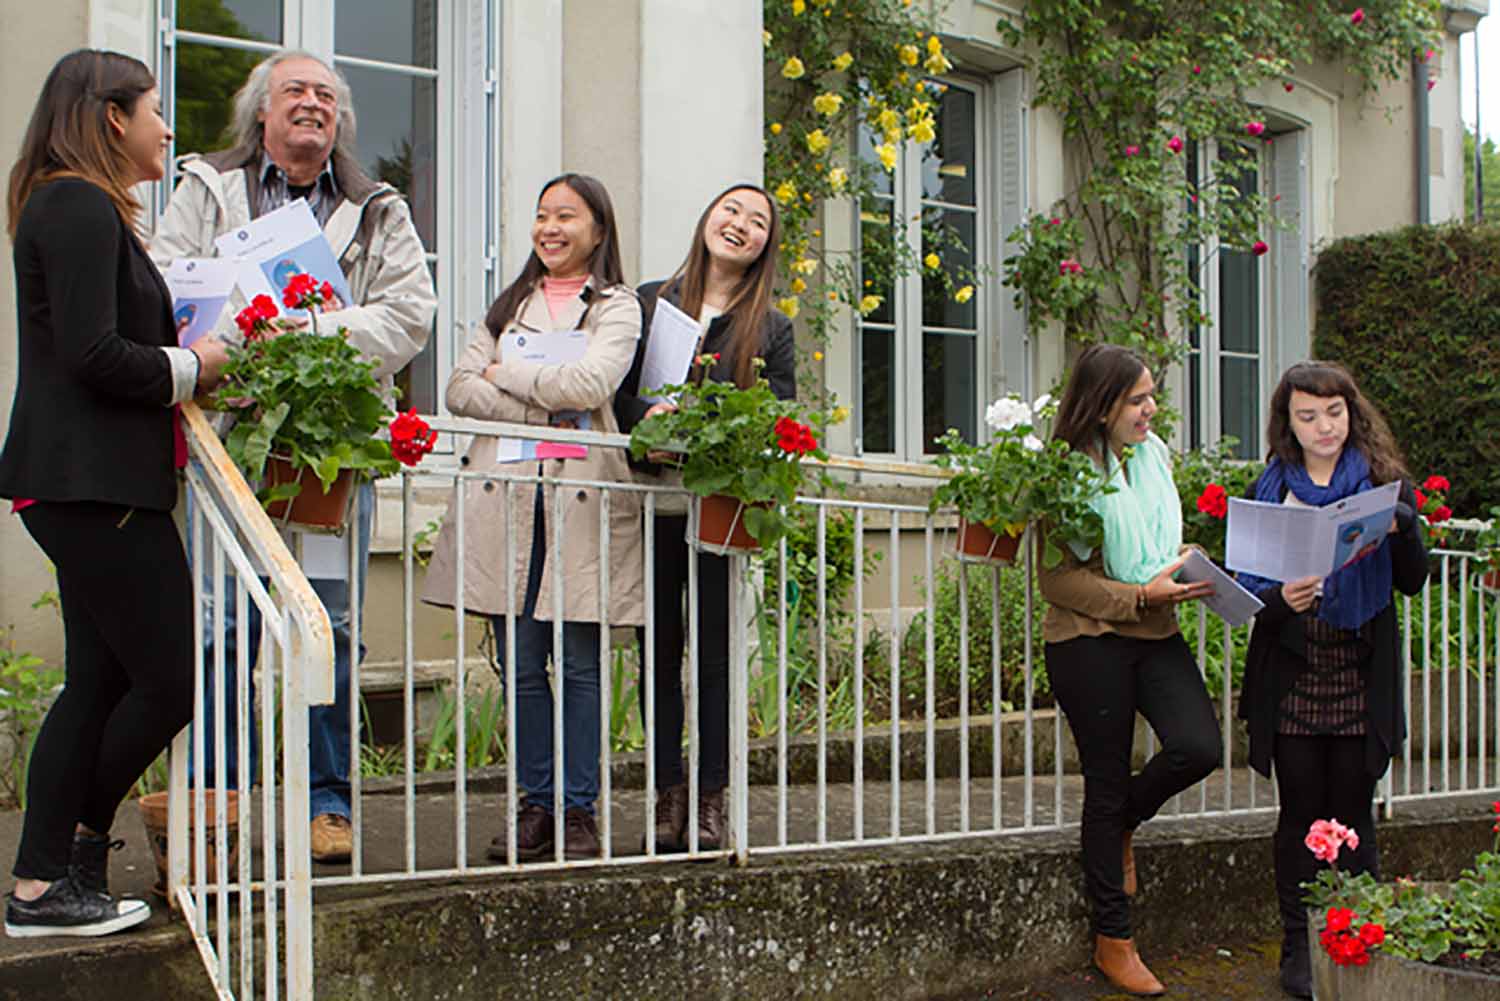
(293, 137)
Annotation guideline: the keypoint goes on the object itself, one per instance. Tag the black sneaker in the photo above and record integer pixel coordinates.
(1296, 967)
(89, 866)
(69, 909)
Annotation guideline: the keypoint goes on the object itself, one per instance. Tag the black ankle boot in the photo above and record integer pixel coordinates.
(89, 865)
(1296, 965)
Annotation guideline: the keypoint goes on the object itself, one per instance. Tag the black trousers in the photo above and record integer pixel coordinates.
(1101, 682)
(127, 602)
(1319, 778)
(670, 579)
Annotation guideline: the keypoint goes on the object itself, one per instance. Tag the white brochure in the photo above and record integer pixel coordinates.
(670, 347)
(200, 288)
(1285, 542)
(282, 244)
(1230, 602)
(557, 347)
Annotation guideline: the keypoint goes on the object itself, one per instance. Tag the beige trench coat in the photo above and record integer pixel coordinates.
(524, 392)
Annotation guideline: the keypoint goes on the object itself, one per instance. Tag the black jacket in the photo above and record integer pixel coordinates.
(777, 347)
(1277, 644)
(91, 419)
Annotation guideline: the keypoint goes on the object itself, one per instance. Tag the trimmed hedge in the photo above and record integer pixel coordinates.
(1415, 315)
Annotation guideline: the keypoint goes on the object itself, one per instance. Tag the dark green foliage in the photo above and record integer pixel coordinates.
(1415, 315)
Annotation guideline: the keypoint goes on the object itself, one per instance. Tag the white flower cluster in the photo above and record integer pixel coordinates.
(1010, 412)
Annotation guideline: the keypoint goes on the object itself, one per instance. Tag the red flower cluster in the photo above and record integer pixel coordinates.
(793, 437)
(1431, 504)
(1068, 266)
(1345, 945)
(1496, 807)
(411, 438)
(304, 292)
(255, 319)
(1214, 501)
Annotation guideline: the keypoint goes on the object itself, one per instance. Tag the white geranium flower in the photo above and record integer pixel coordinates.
(1006, 413)
(1032, 443)
(1041, 403)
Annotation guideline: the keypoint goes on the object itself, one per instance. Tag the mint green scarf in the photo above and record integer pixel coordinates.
(1143, 517)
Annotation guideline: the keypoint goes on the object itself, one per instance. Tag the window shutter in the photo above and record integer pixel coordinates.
(1291, 340)
(1009, 342)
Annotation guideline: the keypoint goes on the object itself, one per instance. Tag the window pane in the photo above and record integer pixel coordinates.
(393, 31)
(878, 393)
(948, 389)
(418, 381)
(879, 175)
(397, 135)
(951, 233)
(1195, 399)
(1239, 301)
(207, 77)
(948, 162)
(877, 256)
(259, 20)
(1240, 386)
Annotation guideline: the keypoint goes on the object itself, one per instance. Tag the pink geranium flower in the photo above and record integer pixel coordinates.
(1132, 150)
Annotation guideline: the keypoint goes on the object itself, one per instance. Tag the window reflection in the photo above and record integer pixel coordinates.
(393, 31)
(1240, 386)
(948, 387)
(948, 162)
(257, 20)
(207, 78)
(397, 138)
(878, 390)
(950, 234)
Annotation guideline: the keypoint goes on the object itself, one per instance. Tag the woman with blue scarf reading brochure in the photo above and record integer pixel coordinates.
(1322, 688)
(1113, 647)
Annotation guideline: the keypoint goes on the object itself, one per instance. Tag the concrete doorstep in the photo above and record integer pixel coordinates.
(978, 917)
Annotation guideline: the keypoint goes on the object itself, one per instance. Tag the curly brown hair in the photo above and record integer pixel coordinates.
(1368, 430)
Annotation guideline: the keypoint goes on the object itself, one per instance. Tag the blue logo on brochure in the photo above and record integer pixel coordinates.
(521, 341)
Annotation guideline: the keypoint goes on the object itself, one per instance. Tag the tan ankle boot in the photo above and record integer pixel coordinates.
(1130, 884)
(1121, 965)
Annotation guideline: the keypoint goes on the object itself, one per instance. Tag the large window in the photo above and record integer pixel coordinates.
(920, 352)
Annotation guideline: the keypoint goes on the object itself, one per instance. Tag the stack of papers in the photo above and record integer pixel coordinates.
(559, 347)
(1286, 542)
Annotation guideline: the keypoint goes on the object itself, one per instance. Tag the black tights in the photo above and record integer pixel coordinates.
(670, 582)
(1319, 778)
(127, 620)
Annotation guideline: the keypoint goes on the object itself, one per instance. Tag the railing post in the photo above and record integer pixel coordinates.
(296, 796)
(739, 713)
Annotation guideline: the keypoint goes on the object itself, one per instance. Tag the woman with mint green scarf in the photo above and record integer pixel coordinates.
(1113, 648)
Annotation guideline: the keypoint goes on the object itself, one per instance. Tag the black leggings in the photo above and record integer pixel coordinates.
(127, 620)
(1101, 682)
(1319, 778)
(670, 581)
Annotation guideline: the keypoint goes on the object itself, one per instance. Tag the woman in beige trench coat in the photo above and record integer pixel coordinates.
(572, 280)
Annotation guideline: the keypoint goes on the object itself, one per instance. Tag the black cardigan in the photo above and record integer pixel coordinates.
(777, 347)
(1274, 659)
(91, 420)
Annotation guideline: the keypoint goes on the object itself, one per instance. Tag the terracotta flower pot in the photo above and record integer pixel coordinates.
(721, 524)
(978, 544)
(311, 507)
(154, 817)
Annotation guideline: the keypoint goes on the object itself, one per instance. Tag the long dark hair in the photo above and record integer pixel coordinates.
(604, 262)
(1103, 374)
(69, 133)
(752, 296)
(1368, 430)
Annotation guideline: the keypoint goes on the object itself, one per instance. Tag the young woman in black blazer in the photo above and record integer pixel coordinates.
(89, 464)
(725, 283)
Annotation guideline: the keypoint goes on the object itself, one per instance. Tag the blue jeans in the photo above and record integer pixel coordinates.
(328, 726)
(580, 695)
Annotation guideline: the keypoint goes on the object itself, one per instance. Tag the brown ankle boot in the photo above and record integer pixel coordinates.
(1130, 883)
(1121, 965)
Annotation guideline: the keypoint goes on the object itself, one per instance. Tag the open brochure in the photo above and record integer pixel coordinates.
(200, 287)
(1286, 542)
(1230, 602)
(280, 245)
(557, 347)
(670, 346)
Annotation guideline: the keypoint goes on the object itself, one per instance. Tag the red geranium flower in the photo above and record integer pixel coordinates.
(1214, 501)
(255, 319)
(1436, 484)
(301, 291)
(1443, 513)
(1421, 499)
(1372, 934)
(1339, 918)
(411, 438)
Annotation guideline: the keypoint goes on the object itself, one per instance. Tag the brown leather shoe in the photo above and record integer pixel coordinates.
(580, 836)
(710, 820)
(1121, 965)
(533, 835)
(332, 838)
(1131, 885)
(671, 819)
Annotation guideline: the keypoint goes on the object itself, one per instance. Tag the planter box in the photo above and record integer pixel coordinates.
(1391, 978)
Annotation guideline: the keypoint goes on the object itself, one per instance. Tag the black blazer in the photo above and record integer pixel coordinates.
(91, 419)
(777, 347)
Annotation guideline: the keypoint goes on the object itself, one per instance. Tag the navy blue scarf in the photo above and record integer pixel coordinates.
(1360, 591)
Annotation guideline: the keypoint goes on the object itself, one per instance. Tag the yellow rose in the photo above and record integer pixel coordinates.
(786, 192)
(837, 178)
(910, 54)
(893, 134)
(839, 415)
(817, 356)
(964, 294)
(775, 128)
(793, 69)
(807, 196)
(798, 286)
(934, 45)
(798, 7)
(843, 61)
(805, 265)
(932, 261)
(765, 38)
(918, 109)
(902, 77)
(789, 306)
(922, 131)
(817, 142)
(887, 154)
(828, 104)
(889, 118)
(833, 297)
(870, 304)
(937, 64)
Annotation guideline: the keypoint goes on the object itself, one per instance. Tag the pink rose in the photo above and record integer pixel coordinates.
(1132, 150)
(1358, 16)
(1175, 144)
(1289, 86)
(1254, 128)
(1259, 248)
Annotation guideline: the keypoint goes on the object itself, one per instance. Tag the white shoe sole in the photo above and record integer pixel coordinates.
(132, 913)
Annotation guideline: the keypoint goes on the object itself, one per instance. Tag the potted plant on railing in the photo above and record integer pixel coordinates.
(309, 411)
(1016, 479)
(742, 452)
(1486, 545)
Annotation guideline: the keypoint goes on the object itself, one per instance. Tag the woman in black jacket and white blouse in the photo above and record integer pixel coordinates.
(89, 464)
(725, 284)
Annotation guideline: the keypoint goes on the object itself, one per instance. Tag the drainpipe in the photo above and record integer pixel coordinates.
(1424, 150)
